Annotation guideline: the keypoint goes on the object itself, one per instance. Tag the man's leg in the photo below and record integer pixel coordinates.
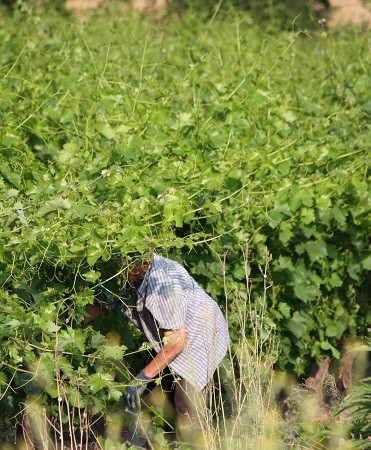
(158, 400)
(190, 412)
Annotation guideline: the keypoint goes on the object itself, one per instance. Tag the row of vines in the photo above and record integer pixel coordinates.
(198, 139)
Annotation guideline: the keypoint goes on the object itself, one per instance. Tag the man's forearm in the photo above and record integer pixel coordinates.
(160, 361)
(177, 340)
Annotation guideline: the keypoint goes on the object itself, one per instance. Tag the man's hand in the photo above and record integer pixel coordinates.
(135, 390)
(176, 341)
(94, 310)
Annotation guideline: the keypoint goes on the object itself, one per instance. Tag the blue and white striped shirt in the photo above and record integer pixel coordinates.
(169, 298)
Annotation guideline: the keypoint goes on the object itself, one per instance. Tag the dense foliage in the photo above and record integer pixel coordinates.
(197, 140)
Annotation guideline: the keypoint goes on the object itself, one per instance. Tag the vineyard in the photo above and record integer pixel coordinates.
(240, 150)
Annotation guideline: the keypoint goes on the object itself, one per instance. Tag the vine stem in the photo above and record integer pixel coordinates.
(141, 75)
(59, 382)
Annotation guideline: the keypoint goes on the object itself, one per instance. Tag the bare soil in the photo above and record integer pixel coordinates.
(349, 12)
(145, 6)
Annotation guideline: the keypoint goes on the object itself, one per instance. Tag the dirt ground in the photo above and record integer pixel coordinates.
(342, 12)
(349, 12)
(140, 5)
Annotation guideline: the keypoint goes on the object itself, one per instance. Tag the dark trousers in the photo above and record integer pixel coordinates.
(182, 406)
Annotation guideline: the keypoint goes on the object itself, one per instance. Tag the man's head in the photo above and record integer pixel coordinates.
(137, 272)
